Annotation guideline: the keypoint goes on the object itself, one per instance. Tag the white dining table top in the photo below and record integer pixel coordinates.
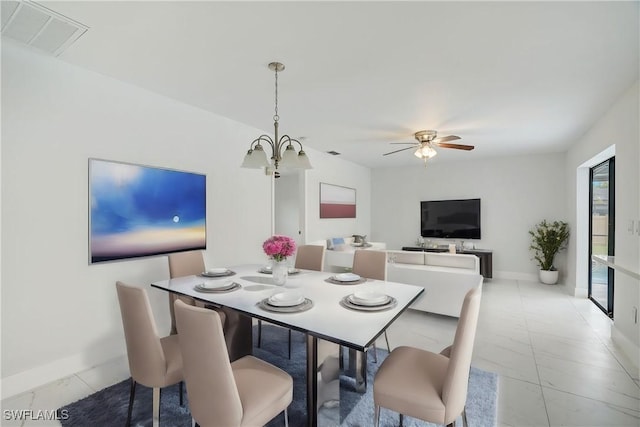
(327, 319)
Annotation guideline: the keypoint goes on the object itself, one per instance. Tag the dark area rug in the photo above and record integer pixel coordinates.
(108, 407)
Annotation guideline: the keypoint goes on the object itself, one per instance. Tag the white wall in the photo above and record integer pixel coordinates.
(334, 170)
(515, 192)
(60, 315)
(618, 126)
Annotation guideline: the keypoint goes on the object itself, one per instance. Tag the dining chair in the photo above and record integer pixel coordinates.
(426, 385)
(308, 257)
(183, 264)
(235, 325)
(153, 361)
(371, 265)
(246, 392)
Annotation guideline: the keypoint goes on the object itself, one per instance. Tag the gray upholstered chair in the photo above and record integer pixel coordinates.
(247, 392)
(308, 257)
(372, 265)
(426, 385)
(153, 361)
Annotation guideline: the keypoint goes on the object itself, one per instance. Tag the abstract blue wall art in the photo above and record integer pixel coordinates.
(137, 211)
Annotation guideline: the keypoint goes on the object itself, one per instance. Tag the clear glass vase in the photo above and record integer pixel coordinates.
(279, 271)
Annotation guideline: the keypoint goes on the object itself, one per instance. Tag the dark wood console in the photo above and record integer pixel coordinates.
(485, 255)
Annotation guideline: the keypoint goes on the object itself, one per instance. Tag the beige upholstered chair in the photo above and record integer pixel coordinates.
(183, 264)
(153, 361)
(372, 265)
(426, 385)
(247, 392)
(236, 326)
(308, 257)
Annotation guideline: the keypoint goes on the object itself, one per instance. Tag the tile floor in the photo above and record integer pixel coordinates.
(556, 362)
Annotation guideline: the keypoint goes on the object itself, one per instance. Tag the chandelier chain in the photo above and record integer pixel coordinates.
(276, 117)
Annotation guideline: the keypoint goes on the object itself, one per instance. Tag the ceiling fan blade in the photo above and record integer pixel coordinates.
(405, 143)
(446, 139)
(457, 146)
(397, 151)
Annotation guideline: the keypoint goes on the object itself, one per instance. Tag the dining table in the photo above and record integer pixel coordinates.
(330, 310)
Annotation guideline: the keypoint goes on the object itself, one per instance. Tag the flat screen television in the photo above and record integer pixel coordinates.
(138, 211)
(450, 219)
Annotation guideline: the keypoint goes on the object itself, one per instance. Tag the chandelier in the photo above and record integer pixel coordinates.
(283, 151)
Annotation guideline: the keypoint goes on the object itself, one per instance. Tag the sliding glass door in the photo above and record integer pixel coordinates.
(601, 233)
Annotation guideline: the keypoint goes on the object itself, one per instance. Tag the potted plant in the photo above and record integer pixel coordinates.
(547, 239)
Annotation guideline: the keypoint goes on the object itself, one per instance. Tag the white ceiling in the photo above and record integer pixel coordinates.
(508, 77)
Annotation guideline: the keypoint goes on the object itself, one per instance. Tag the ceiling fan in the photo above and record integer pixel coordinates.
(427, 140)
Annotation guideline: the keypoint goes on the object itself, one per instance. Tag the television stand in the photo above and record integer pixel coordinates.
(485, 255)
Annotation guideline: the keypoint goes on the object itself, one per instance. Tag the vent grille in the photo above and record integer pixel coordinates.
(35, 25)
(333, 153)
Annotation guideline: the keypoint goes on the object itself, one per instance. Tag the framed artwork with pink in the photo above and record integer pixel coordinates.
(337, 201)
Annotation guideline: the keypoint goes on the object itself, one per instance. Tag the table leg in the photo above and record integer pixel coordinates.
(323, 383)
(358, 366)
(238, 334)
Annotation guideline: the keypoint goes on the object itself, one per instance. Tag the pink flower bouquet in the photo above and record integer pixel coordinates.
(279, 247)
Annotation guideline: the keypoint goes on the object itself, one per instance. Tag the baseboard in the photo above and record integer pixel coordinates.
(630, 349)
(514, 275)
(44, 374)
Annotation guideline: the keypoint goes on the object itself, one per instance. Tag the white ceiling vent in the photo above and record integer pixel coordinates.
(37, 26)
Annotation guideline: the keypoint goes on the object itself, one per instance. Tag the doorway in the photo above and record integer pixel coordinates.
(601, 233)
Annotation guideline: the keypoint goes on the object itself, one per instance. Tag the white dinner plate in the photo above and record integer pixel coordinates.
(346, 277)
(285, 299)
(368, 298)
(217, 285)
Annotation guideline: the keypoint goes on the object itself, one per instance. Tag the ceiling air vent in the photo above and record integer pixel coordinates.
(37, 26)
(333, 153)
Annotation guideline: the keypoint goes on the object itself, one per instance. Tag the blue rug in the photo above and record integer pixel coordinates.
(108, 407)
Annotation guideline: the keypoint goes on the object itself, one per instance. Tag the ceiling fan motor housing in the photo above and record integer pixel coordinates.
(425, 135)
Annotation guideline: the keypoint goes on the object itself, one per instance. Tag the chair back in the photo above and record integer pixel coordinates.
(370, 264)
(147, 361)
(310, 257)
(213, 394)
(454, 391)
(185, 263)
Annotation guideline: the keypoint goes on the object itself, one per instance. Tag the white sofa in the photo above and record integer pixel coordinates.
(445, 277)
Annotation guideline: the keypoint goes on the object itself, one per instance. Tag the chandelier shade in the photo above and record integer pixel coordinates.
(283, 148)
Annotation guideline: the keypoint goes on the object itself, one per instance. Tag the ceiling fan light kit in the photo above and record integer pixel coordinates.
(283, 152)
(427, 141)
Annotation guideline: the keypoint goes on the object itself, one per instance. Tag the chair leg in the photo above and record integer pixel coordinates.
(464, 417)
(289, 343)
(181, 392)
(401, 420)
(286, 418)
(375, 353)
(259, 333)
(376, 416)
(156, 407)
(132, 393)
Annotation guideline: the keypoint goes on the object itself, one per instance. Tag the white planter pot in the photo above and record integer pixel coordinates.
(549, 277)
